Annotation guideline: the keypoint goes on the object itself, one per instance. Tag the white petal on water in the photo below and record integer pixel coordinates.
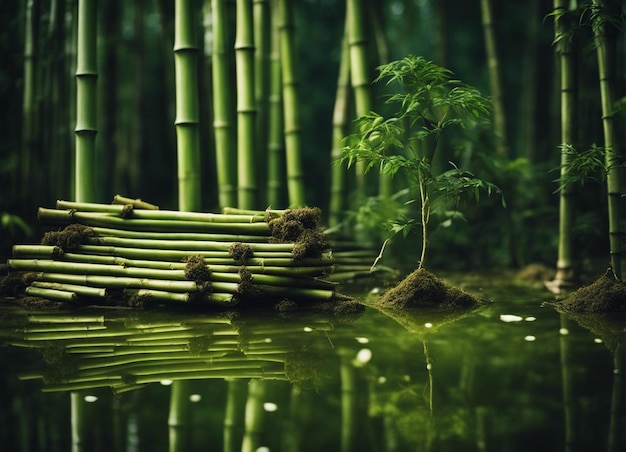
(597, 340)
(270, 407)
(364, 355)
(563, 331)
(530, 319)
(530, 338)
(510, 318)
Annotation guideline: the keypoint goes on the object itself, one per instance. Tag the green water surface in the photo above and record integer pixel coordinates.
(513, 376)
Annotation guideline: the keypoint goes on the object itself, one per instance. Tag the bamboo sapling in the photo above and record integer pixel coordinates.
(430, 104)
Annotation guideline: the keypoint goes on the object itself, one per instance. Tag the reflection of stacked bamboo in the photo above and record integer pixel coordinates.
(88, 351)
(131, 249)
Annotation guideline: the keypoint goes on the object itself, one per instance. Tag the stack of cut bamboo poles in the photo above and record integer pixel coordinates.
(132, 251)
(90, 350)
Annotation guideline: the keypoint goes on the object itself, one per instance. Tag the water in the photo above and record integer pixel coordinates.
(514, 376)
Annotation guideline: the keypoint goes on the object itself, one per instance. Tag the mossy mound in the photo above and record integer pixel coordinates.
(422, 289)
(70, 237)
(605, 294)
(300, 226)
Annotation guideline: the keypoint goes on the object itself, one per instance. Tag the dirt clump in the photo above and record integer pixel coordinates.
(605, 294)
(422, 289)
(300, 227)
(70, 237)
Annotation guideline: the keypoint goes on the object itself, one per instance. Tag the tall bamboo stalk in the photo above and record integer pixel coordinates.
(275, 147)
(29, 123)
(86, 111)
(246, 108)
(605, 37)
(262, 43)
(495, 83)
(565, 273)
(340, 127)
(223, 112)
(359, 73)
(291, 104)
(187, 111)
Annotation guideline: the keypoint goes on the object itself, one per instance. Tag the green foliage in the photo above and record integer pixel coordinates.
(583, 166)
(429, 103)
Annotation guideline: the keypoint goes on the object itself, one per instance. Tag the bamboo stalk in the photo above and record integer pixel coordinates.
(181, 224)
(152, 214)
(53, 294)
(276, 141)
(291, 104)
(187, 245)
(136, 203)
(246, 108)
(225, 146)
(179, 235)
(83, 291)
(37, 251)
(218, 257)
(187, 110)
(86, 93)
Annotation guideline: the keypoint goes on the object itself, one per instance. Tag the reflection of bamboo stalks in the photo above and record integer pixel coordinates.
(178, 419)
(567, 386)
(235, 414)
(253, 433)
(615, 440)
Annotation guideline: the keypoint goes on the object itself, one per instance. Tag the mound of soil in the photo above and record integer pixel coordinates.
(605, 294)
(422, 289)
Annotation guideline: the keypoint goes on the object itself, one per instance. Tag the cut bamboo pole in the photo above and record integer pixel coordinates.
(182, 224)
(53, 294)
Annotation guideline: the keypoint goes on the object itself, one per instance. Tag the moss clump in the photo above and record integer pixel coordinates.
(196, 270)
(307, 369)
(199, 344)
(299, 226)
(240, 251)
(422, 289)
(14, 284)
(606, 294)
(70, 237)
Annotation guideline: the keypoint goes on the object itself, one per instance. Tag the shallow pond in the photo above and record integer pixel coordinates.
(514, 376)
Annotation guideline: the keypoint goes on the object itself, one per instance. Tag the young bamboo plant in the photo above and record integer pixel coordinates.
(430, 104)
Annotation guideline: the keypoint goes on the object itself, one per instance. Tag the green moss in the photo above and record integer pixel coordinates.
(606, 294)
(70, 237)
(422, 289)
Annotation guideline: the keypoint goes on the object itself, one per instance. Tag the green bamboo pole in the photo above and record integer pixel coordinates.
(291, 104)
(81, 291)
(187, 110)
(359, 74)
(86, 111)
(79, 421)
(499, 116)
(29, 123)
(349, 402)
(606, 52)
(294, 272)
(565, 271)
(262, 43)
(253, 433)
(337, 203)
(246, 108)
(53, 294)
(103, 232)
(182, 224)
(225, 145)
(153, 214)
(276, 139)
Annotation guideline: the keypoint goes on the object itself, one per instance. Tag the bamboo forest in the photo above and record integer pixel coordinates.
(313, 225)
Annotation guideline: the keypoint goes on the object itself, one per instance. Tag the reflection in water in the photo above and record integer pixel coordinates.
(386, 381)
